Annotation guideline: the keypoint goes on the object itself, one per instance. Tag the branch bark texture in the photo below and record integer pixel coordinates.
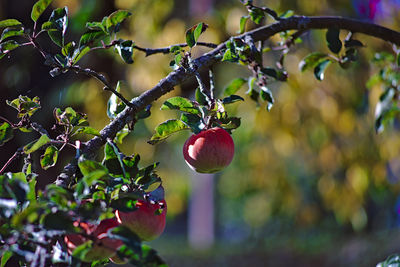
(178, 76)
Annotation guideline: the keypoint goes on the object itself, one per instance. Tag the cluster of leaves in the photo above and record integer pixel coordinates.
(344, 54)
(33, 222)
(96, 36)
(387, 108)
(391, 261)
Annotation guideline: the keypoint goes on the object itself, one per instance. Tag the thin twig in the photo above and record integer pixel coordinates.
(166, 50)
(6, 120)
(102, 79)
(16, 155)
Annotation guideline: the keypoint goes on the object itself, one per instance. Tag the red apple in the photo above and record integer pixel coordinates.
(103, 246)
(209, 151)
(148, 221)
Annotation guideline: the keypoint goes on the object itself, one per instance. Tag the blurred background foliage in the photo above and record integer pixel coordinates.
(311, 183)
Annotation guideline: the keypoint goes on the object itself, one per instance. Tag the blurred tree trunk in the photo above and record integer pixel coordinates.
(201, 206)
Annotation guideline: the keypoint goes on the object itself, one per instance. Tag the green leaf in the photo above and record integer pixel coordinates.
(243, 21)
(11, 32)
(320, 69)
(6, 133)
(25, 105)
(87, 166)
(195, 122)
(256, 14)
(96, 26)
(287, 14)
(5, 257)
(49, 158)
(270, 72)
(230, 123)
(201, 98)
(180, 103)
(311, 60)
(332, 37)
(193, 34)
(59, 17)
(90, 36)
(68, 49)
(116, 18)
(113, 160)
(167, 128)
(9, 23)
(38, 8)
(232, 99)
(266, 95)
(234, 86)
(35, 145)
(113, 101)
(252, 92)
(129, 238)
(8, 46)
(230, 56)
(79, 53)
(88, 130)
(125, 50)
(385, 109)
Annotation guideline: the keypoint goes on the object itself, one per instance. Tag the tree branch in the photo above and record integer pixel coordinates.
(178, 76)
(166, 50)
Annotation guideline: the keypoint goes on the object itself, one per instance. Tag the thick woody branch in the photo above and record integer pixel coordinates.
(178, 76)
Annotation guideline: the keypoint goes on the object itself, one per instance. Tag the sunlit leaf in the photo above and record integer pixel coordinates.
(243, 21)
(9, 23)
(234, 86)
(311, 60)
(49, 158)
(35, 145)
(11, 32)
(38, 8)
(6, 133)
(180, 103)
(167, 128)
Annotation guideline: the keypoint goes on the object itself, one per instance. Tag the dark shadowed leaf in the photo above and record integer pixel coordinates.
(320, 69)
(6, 133)
(311, 60)
(193, 121)
(59, 18)
(125, 50)
(91, 36)
(352, 43)
(58, 221)
(234, 86)
(266, 95)
(167, 128)
(49, 158)
(35, 145)
(38, 8)
(332, 37)
(232, 99)
(201, 98)
(180, 103)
